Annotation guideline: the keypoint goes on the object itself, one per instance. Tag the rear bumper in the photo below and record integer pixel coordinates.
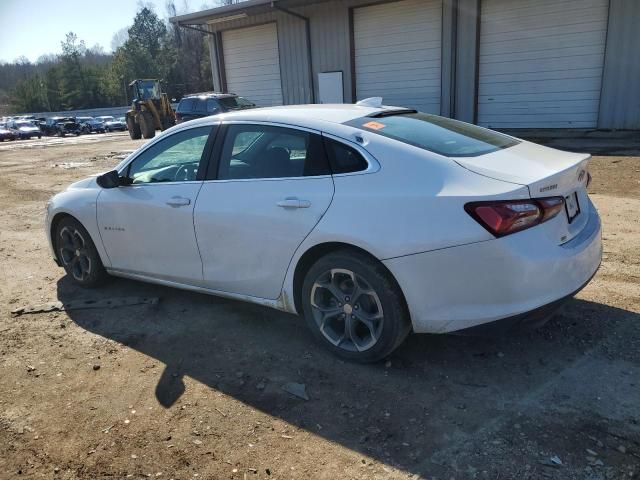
(515, 276)
(524, 321)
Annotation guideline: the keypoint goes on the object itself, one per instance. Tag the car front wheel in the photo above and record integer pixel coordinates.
(354, 306)
(77, 254)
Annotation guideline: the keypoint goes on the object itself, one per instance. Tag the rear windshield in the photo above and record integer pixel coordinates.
(441, 135)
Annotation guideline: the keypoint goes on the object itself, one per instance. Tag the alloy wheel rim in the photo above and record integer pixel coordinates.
(74, 254)
(347, 310)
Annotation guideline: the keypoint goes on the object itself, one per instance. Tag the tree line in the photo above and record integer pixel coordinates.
(82, 77)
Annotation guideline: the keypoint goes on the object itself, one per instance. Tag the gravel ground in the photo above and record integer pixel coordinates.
(191, 388)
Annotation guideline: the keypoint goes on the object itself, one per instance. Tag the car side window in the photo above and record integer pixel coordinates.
(262, 151)
(344, 159)
(186, 105)
(212, 106)
(175, 158)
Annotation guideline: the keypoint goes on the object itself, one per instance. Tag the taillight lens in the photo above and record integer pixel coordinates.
(551, 206)
(505, 217)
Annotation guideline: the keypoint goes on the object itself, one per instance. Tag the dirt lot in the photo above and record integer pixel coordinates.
(191, 388)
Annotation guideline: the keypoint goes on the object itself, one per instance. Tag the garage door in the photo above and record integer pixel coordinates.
(398, 48)
(252, 64)
(541, 63)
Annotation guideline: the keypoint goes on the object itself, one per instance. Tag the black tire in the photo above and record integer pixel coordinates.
(147, 128)
(167, 123)
(77, 254)
(372, 276)
(134, 129)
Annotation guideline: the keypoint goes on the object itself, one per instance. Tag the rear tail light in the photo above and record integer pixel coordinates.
(505, 217)
(551, 206)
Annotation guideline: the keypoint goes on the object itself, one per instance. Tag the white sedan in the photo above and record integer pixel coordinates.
(370, 221)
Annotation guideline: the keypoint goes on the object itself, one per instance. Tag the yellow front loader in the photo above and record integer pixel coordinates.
(150, 110)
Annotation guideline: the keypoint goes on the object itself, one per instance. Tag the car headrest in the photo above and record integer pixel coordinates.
(276, 163)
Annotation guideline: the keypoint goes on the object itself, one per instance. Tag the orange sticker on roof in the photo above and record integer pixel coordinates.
(374, 125)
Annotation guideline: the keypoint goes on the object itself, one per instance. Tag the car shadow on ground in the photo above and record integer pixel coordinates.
(434, 392)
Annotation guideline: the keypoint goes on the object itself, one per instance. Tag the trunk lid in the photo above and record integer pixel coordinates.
(546, 172)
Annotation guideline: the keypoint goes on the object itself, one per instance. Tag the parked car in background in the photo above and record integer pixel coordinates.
(200, 105)
(91, 125)
(370, 221)
(25, 129)
(7, 133)
(61, 126)
(123, 120)
(82, 121)
(40, 122)
(115, 124)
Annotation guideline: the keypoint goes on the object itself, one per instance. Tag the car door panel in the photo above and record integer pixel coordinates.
(246, 239)
(145, 230)
(146, 224)
(268, 188)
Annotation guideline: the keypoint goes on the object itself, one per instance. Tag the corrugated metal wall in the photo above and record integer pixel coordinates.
(398, 53)
(331, 51)
(466, 68)
(254, 71)
(541, 63)
(620, 99)
(292, 43)
(330, 40)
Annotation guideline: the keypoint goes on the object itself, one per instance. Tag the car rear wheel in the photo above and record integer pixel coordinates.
(77, 254)
(354, 307)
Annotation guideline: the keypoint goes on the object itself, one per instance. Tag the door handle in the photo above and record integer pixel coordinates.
(176, 202)
(294, 202)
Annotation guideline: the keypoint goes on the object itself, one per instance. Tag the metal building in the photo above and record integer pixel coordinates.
(498, 63)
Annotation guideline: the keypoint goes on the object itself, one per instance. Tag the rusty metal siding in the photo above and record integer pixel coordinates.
(620, 97)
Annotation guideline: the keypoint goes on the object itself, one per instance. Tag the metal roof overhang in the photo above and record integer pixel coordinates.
(235, 11)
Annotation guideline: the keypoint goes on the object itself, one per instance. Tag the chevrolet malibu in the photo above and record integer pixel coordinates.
(369, 221)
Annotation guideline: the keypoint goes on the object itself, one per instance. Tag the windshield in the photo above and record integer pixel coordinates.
(24, 124)
(148, 89)
(441, 135)
(235, 103)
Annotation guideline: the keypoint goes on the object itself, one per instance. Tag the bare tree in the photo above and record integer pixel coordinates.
(119, 38)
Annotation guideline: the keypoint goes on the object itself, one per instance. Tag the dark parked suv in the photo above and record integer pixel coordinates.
(61, 126)
(201, 105)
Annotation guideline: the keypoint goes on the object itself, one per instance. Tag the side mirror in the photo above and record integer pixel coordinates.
(109, 180)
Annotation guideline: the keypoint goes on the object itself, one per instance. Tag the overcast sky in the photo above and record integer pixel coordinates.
(36, 27)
